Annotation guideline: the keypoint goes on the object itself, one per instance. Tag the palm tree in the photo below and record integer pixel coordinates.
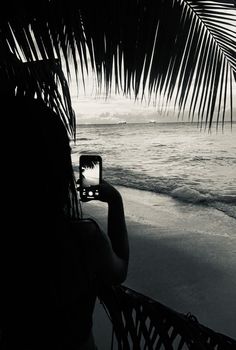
(180, 50)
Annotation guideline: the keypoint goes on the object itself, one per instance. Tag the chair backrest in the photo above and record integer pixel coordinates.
(140, 322)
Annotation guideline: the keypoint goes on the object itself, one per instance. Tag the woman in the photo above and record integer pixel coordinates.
(52, 262)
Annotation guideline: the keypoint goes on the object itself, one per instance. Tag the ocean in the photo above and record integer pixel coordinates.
(176, 159)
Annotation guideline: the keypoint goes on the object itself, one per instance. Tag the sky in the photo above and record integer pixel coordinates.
(92, 107)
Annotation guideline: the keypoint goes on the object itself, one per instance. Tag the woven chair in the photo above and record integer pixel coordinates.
(142, 323)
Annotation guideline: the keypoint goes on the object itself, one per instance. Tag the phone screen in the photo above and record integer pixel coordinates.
(90, 176)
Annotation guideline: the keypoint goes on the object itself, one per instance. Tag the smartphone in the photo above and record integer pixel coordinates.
(90, 176)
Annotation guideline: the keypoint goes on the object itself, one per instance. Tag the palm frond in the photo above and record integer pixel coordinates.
(182, 50)
(42, 79)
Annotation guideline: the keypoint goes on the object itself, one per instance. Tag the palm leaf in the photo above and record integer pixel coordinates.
(181, 50)
(42, 79)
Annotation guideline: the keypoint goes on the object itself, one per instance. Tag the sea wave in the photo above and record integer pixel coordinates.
(175, 187)
(173, 159)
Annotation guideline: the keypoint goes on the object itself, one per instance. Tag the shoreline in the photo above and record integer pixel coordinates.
(181, 254)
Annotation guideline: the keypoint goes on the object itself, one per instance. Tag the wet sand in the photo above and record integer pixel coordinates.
(182, 255)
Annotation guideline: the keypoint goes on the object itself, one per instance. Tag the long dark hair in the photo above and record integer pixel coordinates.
(38, 198)
(40, 149)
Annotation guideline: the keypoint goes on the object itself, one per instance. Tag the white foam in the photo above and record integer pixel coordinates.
(190, 195)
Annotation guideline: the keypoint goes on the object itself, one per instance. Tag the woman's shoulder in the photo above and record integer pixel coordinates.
(84, 228)
(81, 224)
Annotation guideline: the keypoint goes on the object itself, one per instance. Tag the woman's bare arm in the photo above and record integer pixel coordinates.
(108, 254)
(117, 231)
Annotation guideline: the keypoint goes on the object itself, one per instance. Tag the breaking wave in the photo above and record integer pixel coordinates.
(175, 187)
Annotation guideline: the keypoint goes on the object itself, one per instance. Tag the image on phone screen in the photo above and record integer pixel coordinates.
(90, 175)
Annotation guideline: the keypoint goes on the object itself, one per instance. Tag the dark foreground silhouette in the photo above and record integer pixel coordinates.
(52, 262)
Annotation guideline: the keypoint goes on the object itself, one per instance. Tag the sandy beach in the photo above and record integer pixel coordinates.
(182, 255)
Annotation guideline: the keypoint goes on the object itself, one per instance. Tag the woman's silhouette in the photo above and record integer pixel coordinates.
(52, 262)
